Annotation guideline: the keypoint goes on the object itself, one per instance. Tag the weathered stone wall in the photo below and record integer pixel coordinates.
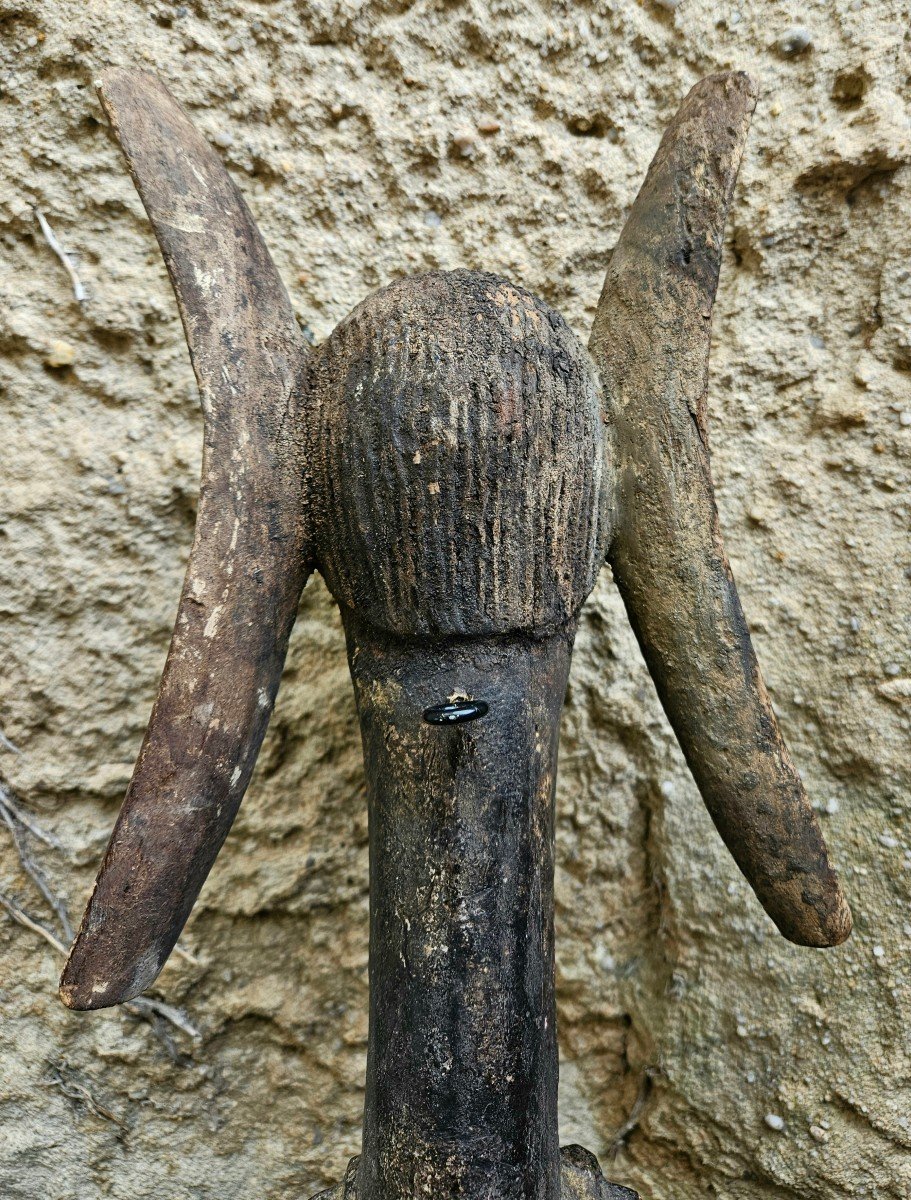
(702, 1055)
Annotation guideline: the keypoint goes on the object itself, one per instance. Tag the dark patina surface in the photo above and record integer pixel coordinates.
(580, 1179)
(458, 467)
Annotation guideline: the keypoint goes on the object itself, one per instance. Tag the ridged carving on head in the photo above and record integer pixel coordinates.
(457, 460)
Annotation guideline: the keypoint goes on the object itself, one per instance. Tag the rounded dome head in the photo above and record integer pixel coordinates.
(457, 460)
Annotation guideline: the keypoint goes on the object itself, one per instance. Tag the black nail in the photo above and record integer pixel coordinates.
(452, 714)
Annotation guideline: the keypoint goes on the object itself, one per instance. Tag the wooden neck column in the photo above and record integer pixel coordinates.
(462, 1067)
(456, 448)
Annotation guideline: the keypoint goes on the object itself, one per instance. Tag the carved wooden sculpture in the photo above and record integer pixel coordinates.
(458, 467)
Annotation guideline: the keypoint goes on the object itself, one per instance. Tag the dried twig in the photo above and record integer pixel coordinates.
(51, 238)
(142, 1006)
(6, 744)
(7, 802)
(34, 872)
(145, 1007)
(36, 927)
(186, 955)
(621, 1135)
(78, 1092)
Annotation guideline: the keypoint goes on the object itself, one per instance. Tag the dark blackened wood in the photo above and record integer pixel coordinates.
(460, 482)
(460, 515)
(651, 342)
(580, 1179)
(461, 492)
(451, 477)
(248, 563)
(462, 1064)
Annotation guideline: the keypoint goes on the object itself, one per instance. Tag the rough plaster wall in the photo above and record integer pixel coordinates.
(354, 131)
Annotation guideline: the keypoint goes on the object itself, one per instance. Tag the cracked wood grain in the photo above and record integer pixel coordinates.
(651, 342)
(458, 467)
(248, 563)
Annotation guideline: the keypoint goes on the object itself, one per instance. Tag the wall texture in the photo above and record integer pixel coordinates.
(701, 1055)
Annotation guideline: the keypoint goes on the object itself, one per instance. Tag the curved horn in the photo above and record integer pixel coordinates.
(651, 342)
(247, 566)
